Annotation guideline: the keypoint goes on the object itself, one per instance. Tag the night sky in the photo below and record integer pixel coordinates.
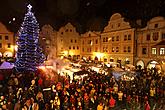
(84, 14)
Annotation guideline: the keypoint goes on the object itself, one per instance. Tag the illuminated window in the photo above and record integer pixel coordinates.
(162, 51)
(71, 40)
(6, 37)
(153, 51)
(73, 47)
(69, 47)
(0, 45)
(8, 45)
(77, 47)
(75, 41)
(0, 37)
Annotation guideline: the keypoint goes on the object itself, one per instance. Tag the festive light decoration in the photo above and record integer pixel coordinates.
(29, 54)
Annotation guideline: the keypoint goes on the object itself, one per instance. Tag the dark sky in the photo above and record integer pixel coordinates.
(84, 14)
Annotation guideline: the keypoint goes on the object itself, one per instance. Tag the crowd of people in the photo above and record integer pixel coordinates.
(96, 91)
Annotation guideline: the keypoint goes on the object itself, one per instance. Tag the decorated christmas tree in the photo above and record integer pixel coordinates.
(29, 54)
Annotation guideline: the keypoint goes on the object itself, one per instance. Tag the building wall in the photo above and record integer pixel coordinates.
(118, 37)
(68, 41)
(90, 44)
(7, 43)
(48, 41)
(149, 37)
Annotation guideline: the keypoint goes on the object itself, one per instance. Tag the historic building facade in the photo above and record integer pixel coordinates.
(118, 41)
(151, 44)
(48, 41)
(68, 42)
(91, 46)
(7, 42)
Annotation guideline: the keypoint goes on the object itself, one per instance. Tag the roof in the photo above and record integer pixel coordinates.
(160, 43)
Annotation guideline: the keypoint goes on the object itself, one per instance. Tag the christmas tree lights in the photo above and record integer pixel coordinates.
(29, 54)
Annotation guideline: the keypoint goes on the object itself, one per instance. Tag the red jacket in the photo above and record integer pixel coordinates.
(112, 102)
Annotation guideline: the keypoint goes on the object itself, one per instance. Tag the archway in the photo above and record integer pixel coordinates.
(8, 54)
(154, 64)
(140, 64)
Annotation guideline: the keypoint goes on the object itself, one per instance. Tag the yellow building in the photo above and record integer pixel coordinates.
(7, 43)
(48, 41)
(90, 45)
(68, 42)
(117, 41)
(151, 44)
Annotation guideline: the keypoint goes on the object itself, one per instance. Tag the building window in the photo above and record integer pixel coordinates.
(144, 50)
(129, 49)
(117, 49)
(155, 36)
(113, 38)
(8, 45)
(96, 41)
(125, 49)
(73, 47)
(75, 41)
(156, 26)
(113, 49)
(0, 37)
(71, 40)
(129, 37)
(148, 37)
(117, 38)
(162, 51)
(66, 30)
(96, 49)
(83, 42)
(83, 49)
(106, 39)
(70, 47)
(125, 37)
(70, 30)
(6, 37)
(118, 24)
(163, 36)
(0, 45)
(77, 47)
(89, 35)
(154, 51)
